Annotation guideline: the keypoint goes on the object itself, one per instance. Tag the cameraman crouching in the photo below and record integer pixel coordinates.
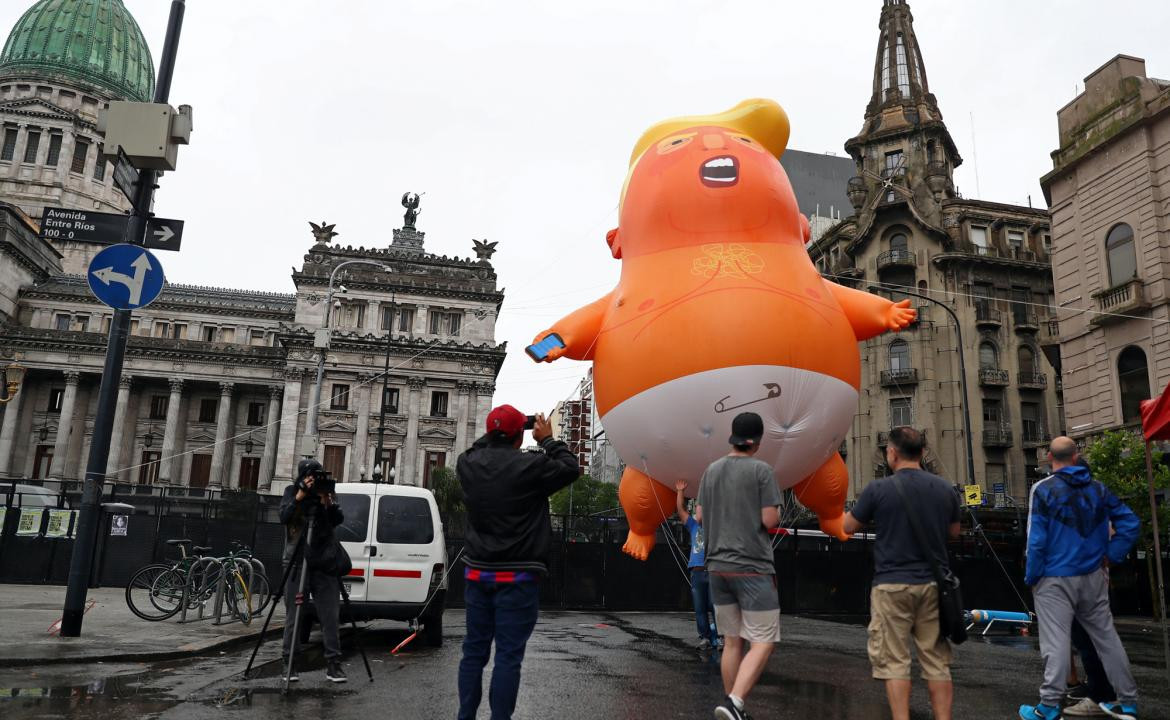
(299, 500)
(508, 535)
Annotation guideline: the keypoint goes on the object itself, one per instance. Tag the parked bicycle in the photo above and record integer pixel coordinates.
(158, 591)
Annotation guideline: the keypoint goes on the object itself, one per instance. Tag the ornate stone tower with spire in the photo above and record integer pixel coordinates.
(904, 152)
(912, 231)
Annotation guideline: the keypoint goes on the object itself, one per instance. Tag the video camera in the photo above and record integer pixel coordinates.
(323, 482)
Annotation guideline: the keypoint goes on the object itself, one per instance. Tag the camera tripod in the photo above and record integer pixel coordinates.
(299, 554)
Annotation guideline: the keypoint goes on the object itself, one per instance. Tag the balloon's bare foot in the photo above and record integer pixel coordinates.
(638, 546)
(835, 527)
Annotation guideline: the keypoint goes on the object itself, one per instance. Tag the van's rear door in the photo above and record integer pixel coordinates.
(404, 535)
(354, 534)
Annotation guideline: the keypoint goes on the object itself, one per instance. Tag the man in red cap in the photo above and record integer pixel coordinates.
(508, 537)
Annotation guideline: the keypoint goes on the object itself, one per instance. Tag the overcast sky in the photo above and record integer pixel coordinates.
(517, 119)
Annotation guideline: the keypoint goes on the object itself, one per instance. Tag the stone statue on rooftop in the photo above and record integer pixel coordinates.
(410, 202)
(323, 233)
(484, 249)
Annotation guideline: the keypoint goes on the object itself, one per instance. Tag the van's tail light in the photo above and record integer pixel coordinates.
(437, 574)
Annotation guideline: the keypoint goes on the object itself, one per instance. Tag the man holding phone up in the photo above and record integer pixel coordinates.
(508, 538)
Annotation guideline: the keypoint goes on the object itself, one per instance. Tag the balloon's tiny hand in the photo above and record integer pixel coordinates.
(900, 315)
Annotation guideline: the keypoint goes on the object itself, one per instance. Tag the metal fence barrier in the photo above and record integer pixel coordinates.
(587, 569)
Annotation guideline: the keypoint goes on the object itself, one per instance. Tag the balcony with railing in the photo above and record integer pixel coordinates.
(1033, 437)
(997, 436)
(901, 376)
(896, 258)
(1119, 300)
(1049, 332)
(1032, 380)
(1025, 320)
(993, 377)
(987, 317)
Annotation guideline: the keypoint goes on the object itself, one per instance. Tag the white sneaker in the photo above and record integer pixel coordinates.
(1084, 708)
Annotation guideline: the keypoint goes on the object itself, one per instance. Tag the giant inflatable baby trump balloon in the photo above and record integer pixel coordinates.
(719, 310)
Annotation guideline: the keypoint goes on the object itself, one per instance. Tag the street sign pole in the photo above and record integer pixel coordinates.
(81, 564)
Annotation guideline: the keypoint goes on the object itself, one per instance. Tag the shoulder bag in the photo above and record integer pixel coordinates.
(952, 624)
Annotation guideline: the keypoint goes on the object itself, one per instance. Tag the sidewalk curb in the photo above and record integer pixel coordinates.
(183, 651)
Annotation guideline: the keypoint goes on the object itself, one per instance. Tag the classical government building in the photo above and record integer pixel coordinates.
(911, 231)
(1111, 237)
(217, 389)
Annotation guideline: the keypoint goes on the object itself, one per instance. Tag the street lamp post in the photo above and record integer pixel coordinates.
(962, 374)
(385, 383)
(309, 448)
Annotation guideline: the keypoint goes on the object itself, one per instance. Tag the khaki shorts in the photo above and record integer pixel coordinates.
(898, 611)
(746, 605)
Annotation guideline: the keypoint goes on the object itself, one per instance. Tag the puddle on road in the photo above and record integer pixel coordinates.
(136, 693)
(101, 691)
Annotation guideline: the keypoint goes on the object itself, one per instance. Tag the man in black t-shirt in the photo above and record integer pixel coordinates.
(904, 599)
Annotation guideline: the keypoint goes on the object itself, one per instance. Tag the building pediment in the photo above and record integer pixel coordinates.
(390, 429)
(200, 437)
(335, 424)
(37, 107)
(437, 433)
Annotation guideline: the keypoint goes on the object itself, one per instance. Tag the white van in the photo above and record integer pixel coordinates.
(395, 539)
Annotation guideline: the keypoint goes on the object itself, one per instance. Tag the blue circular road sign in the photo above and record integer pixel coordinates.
(125, 277)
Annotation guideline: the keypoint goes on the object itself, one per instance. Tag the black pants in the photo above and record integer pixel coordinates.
(1099, 688)
(326, 593)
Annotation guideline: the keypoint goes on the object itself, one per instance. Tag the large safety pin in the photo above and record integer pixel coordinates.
(773, 392)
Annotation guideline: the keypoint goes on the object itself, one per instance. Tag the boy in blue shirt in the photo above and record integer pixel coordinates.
(700, 585)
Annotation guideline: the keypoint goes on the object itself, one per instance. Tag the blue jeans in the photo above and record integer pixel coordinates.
(505, 612)
(701, 595)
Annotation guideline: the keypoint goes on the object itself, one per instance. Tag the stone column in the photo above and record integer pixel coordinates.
(289, 417)
(64, 427)
(223, 423)
(361, 435)
(463, 396)
(482, 402)
(113, 464)
(410, 449)
(8, 431)
(170, 440)
(271, 437)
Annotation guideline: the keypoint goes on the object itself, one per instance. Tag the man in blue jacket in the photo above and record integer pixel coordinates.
(1068, 549)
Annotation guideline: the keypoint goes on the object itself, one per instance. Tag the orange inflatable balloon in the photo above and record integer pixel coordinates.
(719, 310)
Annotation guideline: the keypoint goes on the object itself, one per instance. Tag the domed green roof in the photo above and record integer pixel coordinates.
(96, 42)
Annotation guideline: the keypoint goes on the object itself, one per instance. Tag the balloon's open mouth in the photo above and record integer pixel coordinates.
(722, 171)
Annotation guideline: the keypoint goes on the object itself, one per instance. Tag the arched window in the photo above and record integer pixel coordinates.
(1134, 379)
(988, 356)
(1122, 258)
(899, 355)
(1027, 360)
(898, 241)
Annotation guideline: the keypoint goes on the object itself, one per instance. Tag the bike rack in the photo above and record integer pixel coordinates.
(191, 574)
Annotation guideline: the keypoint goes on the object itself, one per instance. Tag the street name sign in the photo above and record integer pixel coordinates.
(125, 277)
(83, 226)
(125, 176)
(107, 228)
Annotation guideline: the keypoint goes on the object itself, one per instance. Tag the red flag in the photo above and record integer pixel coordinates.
(1156, 417)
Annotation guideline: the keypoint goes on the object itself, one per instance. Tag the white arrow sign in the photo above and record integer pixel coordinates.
(133, 284)
(163, 234)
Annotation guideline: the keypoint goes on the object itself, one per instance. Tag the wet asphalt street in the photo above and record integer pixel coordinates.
(579, 666)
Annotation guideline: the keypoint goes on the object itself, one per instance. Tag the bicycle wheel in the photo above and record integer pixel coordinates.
(142, 597)
(238, 598)
(167, 591)
(260, 593)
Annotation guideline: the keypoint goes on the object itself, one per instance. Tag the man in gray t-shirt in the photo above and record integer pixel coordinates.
(738, 504)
